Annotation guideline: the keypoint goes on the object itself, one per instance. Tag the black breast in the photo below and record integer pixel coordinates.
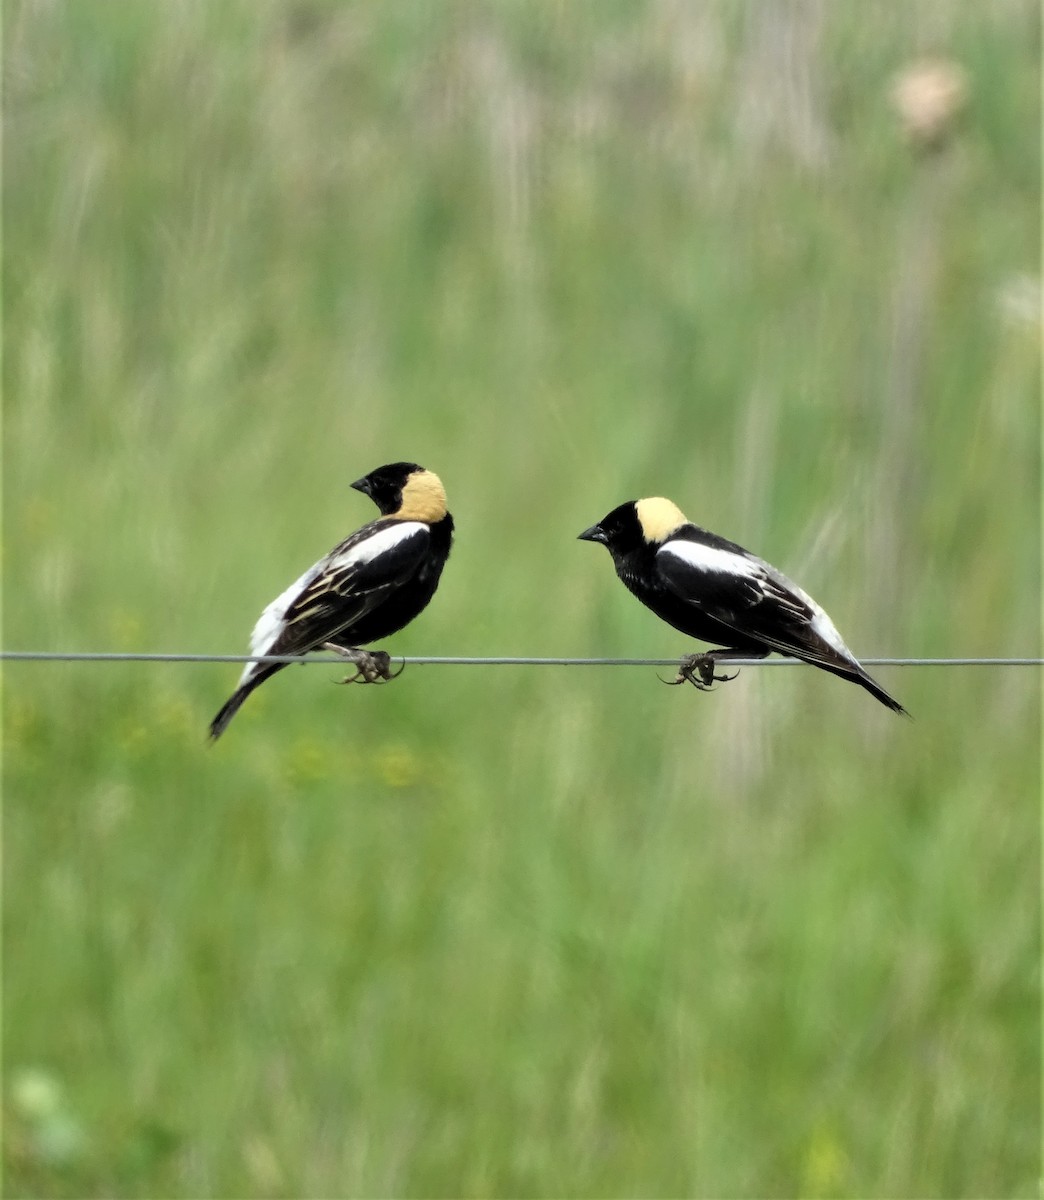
(412, 597)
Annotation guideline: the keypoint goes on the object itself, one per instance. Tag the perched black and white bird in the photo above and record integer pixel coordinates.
(371, 585)
(714, 590)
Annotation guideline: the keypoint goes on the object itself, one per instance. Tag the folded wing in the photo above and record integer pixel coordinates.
(752, 597)
(353, 580)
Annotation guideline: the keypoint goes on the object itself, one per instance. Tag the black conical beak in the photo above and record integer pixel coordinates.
(594, 534)
(362, 485)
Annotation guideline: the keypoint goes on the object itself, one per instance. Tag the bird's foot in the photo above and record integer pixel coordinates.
(701, 665)
(371, 666)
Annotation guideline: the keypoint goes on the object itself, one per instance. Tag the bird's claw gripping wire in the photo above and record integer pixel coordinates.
(371, 666)
(702, 665)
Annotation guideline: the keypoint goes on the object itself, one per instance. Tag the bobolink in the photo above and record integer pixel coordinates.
(371, 585)
(716, 591)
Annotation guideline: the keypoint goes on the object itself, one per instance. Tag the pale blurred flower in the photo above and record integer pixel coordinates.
(398, 767)
(826, 1164)
(928, 95)
(1020, 301)
(55, 1134)
(36, 1093)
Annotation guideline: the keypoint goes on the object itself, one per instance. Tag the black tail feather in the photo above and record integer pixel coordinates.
(851, 670)
(228, 711)
(844, 668)
(232, 704)
(878, 692)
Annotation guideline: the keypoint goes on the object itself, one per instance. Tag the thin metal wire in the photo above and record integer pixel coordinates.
(498, 661)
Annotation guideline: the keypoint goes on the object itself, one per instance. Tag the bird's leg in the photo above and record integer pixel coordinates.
(371, 666)
(703, 665)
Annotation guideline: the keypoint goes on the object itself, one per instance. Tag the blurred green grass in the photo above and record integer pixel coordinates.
(496, 931)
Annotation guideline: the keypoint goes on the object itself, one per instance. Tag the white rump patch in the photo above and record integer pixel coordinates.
(270, 622)
(826, 629)
(820, 623)
(711, 559)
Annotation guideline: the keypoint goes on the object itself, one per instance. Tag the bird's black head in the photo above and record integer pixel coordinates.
(619, 530)
(635, 524)
(405, 490)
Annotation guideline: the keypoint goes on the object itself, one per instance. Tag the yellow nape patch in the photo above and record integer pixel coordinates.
(659, 518)
(423, 498)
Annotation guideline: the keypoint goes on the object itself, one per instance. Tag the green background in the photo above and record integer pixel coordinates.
(515, 931)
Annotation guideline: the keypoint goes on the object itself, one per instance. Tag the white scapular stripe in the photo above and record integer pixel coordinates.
(710, 558)
(376, 544)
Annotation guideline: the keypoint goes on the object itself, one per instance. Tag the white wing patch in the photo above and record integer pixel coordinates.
(711, 559)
